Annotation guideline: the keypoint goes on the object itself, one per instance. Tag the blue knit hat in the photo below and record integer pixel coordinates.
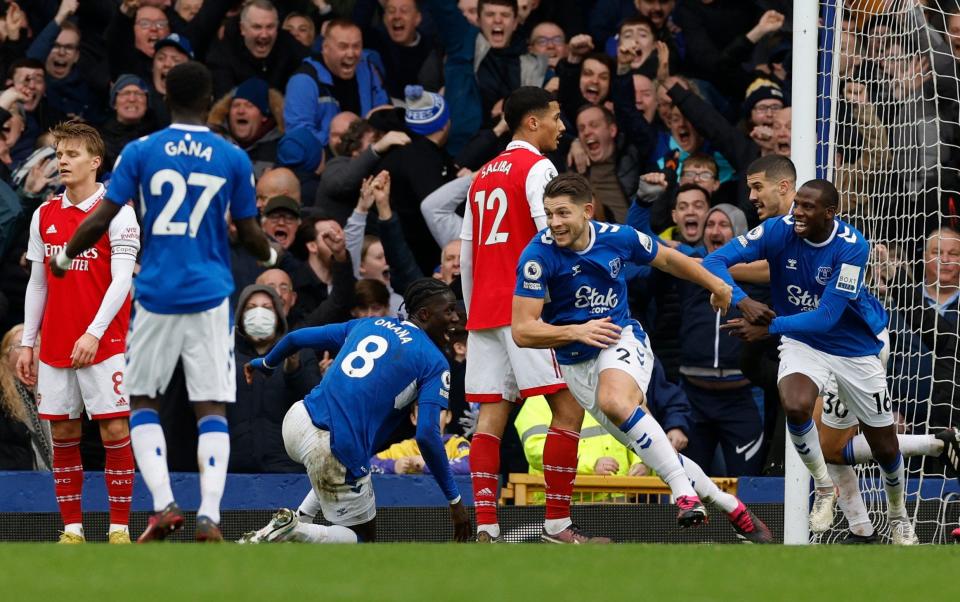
(426, 112)
(257, 92)
(299, 150)
(122, 82)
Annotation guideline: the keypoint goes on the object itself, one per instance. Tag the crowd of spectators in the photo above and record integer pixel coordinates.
(370, 117)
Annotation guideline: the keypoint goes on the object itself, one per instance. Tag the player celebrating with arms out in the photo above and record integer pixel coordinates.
(505, 210)
(383, 366)
(187, 178)
(828, 321)
(604, 354)
(83, 323)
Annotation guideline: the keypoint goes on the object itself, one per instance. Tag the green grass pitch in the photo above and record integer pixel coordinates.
(440, 572)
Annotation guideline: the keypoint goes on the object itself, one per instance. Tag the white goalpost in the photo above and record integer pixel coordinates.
(875, 110)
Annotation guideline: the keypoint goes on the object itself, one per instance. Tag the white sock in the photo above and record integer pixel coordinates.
(150, 450)
(850, 500)
(857, 450)
(75, 528)
(213, 455)
(706, 489)
(555, 525)
(116, 527)
(648, 441)
(893, 478)
(310, 506)
(806, 441)
(492, 530)
(311, 533)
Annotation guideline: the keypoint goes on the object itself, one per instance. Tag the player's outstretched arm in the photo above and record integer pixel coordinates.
(328, 337)
(720, 262)
(677, 264)
(755, 272)
(529, 331)
(87, 234)
(255, 241)
(430, 441)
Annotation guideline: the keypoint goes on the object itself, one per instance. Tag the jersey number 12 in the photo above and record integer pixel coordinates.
(497, 200)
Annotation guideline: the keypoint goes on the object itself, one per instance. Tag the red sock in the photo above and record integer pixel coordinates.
(559, 470)
(485, 471)
(118, 474)
(68, 478)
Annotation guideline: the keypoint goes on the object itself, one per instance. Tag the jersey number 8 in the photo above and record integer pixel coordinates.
(164, 224)
(365, 355)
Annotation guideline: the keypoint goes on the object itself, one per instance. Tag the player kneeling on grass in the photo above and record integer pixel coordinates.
(832, 327)
(383, 366)
(84, 328)
(604, 354)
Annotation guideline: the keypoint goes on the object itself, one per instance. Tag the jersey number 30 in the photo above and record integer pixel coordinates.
(364, 356)
(164, 224)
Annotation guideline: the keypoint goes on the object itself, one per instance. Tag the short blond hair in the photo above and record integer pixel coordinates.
(77, 130)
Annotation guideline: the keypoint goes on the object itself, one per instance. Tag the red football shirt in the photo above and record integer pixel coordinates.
(73, 301)
(505, 203)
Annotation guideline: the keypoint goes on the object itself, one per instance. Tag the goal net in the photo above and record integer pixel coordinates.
(889, 138)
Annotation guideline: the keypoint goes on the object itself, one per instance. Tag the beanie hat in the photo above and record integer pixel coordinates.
(426, 111)
(762, 88)
(737, 219)
(122, 82)
(256, 91)
(299, 150)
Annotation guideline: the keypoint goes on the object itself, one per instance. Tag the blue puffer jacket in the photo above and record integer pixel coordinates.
(309, 100)
(702, 343)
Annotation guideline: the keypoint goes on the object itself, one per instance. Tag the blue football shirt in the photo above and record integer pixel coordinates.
(184, 179)
(579, 286)
(382, 367)
(805, 276)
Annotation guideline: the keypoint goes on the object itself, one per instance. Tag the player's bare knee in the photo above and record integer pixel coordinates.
(142, 402)
(567, 413)
(884, 445)
(797, 408)
(65, 429)
(493, 417)
(114, 429)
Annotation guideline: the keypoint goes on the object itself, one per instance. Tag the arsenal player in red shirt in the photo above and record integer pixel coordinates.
(505, 210)
(82, 320)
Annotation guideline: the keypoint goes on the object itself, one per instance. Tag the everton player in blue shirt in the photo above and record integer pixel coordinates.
(383, 366)
(183, 180)
(828, 322)
(571, 276)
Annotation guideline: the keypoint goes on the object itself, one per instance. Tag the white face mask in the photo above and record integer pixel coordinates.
(260, 323)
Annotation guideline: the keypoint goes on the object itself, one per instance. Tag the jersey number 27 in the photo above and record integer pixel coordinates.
(164, 224)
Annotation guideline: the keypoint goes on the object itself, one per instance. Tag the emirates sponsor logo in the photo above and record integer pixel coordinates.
(50, 250)
(81, 263)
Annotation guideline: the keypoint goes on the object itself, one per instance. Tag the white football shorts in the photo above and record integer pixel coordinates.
(63, 393)
(342, 503)
(629, 354)
(498, 369)
(835, 412)
(203, 340)
(859, 382)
